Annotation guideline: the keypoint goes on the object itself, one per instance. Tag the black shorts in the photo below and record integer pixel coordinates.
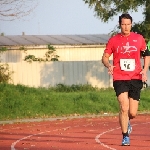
(133, 87)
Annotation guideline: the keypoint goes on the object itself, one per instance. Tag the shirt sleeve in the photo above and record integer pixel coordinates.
(109, 47)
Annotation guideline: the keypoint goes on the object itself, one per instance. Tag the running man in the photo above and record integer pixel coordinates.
(128, 75)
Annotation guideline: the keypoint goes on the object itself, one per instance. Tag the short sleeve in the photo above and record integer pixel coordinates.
(109, 47)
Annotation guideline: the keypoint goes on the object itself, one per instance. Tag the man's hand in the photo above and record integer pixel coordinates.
(110, 69)
(144, 75)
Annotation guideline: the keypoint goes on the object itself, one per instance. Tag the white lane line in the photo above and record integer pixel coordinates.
(99, 135)
(97, 138)
(13, 144)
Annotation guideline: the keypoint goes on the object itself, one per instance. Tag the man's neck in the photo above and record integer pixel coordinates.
(124, 34)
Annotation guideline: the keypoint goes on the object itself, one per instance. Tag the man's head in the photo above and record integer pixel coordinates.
(125, 22)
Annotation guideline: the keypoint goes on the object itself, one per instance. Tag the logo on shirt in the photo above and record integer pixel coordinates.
(128, 48)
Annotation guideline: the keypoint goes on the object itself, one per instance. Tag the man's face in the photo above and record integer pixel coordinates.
(125, 26)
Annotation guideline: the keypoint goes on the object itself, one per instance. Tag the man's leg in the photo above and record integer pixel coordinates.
(124, 109)
(133, 107)
(134, 97)
(121, 88)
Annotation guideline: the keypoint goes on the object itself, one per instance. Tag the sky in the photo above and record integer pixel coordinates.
(61, 17)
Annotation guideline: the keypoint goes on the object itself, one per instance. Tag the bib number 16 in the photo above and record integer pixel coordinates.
(127, 64)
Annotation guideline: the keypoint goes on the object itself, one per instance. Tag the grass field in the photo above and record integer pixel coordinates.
(20, 102)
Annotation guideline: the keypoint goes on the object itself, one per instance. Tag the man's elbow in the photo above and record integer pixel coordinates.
(103, 59)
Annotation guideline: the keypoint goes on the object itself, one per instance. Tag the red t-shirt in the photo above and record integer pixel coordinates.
(126, 48)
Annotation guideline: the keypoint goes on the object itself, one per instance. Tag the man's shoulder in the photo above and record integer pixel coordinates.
(135, 34)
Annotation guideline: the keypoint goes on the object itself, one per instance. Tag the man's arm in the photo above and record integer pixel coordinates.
(105, 61)
(146, 63)
(146, 57)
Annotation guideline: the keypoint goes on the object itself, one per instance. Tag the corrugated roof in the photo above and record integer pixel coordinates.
(17, 40)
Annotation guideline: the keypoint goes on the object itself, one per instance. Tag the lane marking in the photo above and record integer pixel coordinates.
(13, 144)
(97, 138)
(99, 135)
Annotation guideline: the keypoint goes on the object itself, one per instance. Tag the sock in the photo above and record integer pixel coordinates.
(125, 134)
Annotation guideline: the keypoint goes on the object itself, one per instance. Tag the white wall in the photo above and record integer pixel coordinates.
(42, 74)
(68, 72)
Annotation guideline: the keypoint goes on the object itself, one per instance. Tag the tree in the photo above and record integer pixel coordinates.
(107, 9)
(50, 55)
(15, 9)
(5, 73)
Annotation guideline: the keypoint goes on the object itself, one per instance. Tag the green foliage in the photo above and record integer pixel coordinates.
(107, 9)
(2, 49)
(5, 73)
(148, 45)
(30, 58)
(50, 47)
(29, 102)
(22, 48)
(50, 55)
(74, 88)
(145, 100)
(142, 28)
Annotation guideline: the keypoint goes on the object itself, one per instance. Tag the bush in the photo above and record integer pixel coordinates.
(5, 73)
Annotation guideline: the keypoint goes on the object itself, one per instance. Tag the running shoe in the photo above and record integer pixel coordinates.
(129, 128)
(126, 141)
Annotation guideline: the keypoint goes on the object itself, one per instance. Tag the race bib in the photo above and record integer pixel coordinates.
(127, 64)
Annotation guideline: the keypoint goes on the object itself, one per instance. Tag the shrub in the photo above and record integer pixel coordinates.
(5, 73)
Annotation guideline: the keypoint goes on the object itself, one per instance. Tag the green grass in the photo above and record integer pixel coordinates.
(25, 102)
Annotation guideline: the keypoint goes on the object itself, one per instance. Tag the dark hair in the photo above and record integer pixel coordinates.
(125, 16)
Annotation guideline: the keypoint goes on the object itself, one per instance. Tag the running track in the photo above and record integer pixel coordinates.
(90, 133)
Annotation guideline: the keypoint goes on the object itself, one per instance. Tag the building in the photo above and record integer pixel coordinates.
(68, 47)
(79, 60)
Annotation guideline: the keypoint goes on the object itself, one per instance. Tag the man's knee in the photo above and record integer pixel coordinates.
(124, 111)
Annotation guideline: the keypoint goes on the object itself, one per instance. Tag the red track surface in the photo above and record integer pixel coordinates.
(99, 133)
